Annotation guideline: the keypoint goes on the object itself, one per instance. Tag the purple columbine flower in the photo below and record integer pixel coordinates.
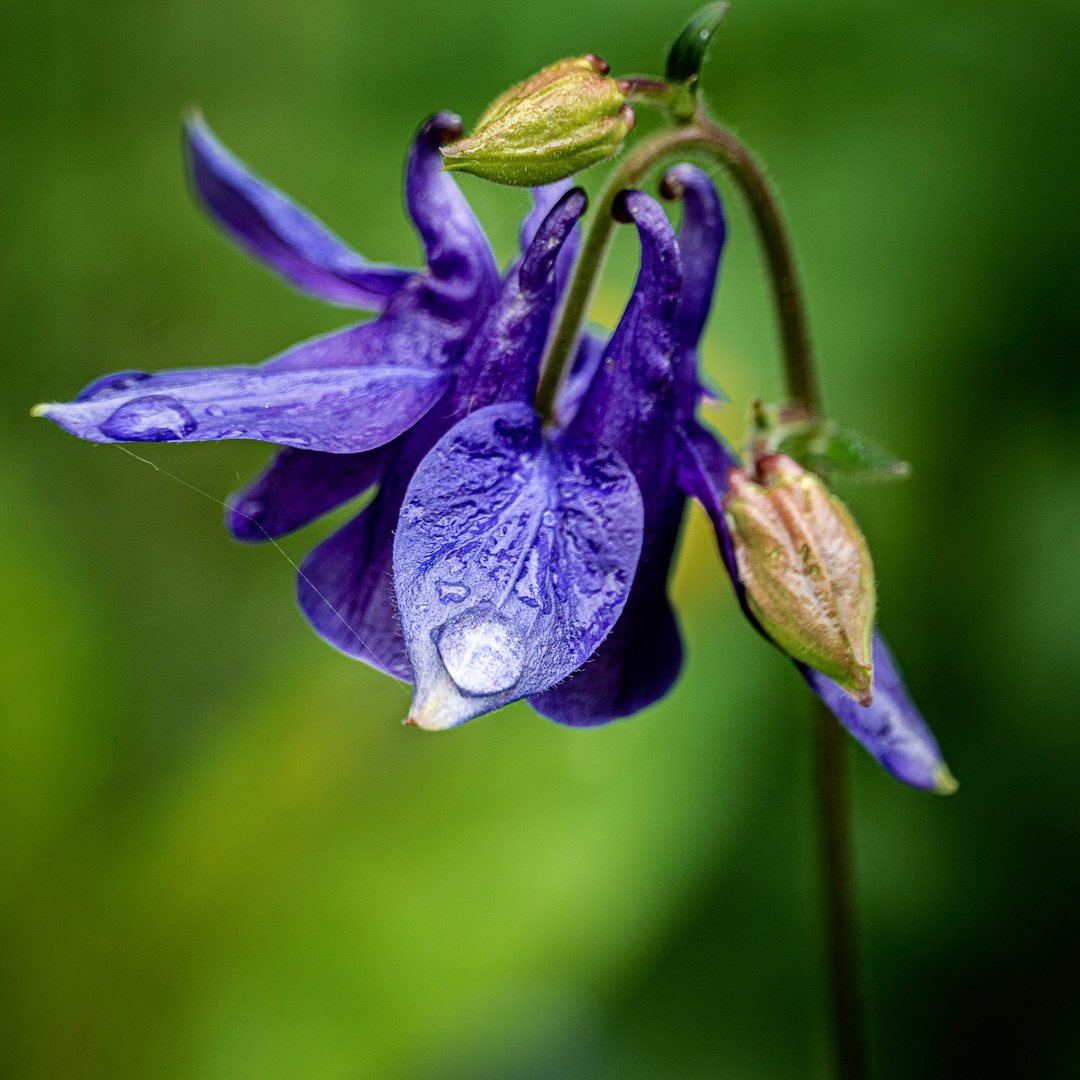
(498, 560)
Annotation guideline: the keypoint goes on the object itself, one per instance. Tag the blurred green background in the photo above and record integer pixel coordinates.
(221, 856)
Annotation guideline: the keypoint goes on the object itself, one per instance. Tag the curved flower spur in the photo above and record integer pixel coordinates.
(651, 378)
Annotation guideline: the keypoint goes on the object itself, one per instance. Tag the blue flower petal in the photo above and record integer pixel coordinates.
(337, 409)
(576, 383)
(272, 228)
(638, 662)
(461, 278)
(703, 465)
(890, 727)
(513, 559)
(544, 199)
(502, 360)
(701, 242)
(299, 486)
(346, 585)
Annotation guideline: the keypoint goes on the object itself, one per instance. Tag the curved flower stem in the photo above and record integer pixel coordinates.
(702, 138)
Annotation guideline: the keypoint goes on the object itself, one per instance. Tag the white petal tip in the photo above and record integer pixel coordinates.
(439, 709)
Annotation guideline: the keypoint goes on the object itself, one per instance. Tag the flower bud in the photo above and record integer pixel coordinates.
(805, 570)
(564, 119)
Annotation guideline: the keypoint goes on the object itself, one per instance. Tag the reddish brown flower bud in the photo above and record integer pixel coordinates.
(806, 570)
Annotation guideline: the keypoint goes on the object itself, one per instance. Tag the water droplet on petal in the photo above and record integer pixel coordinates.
(154, 418)
(483, 652)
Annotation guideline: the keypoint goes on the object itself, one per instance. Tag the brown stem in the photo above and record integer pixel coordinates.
(838, 882)
(700, 139)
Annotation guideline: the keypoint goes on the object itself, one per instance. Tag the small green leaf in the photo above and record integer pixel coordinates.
(828, 452)
(819, 445)
(688, 53)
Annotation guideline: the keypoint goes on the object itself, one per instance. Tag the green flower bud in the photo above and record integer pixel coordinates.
(564, 119)
(806, 570)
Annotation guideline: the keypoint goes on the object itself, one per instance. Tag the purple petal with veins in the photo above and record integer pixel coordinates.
(299, 486)
(513, 559)
(891, 727)
(544, 200)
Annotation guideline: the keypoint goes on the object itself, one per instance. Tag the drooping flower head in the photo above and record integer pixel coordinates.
(504, 557)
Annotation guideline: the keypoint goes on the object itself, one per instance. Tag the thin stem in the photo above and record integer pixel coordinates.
(701, 138)
(833, 792)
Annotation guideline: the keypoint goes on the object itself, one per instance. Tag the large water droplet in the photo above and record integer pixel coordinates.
(483, 652)
(452, 592)
(154, 418)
